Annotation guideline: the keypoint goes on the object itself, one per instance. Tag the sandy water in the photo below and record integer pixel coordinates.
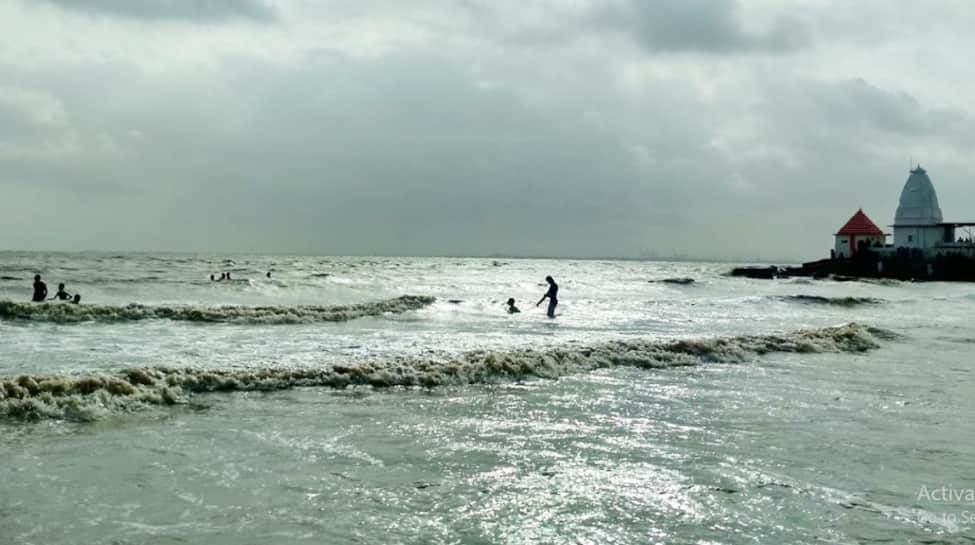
(646, 412)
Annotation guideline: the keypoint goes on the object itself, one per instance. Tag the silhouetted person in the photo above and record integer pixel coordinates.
(40, 290)
(552, 295)
(61, 295)
(228, 275)
(512, 309)
(269, 274)
(76, 300)
(223, 276)
(212, 278)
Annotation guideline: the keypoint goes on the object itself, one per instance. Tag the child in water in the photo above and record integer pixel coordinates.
(512, 309)
(61, 295)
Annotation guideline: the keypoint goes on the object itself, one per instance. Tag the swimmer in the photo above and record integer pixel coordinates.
(61, 295)
(512, 309)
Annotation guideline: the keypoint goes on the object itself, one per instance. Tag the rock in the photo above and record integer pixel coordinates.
(769, 272)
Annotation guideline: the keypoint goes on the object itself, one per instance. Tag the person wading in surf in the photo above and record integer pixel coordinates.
(40, 290)
(552, 295)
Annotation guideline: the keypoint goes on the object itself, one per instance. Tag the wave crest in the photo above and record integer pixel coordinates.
(835, 301)
(68, 313)
(88, 397)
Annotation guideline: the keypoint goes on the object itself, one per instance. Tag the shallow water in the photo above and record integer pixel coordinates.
(594, 427)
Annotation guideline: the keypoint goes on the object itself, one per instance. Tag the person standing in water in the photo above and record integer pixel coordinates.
(512, 309)
(40, 290)
(61, 295)
(552, 295)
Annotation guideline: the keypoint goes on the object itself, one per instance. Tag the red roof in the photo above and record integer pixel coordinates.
(860, 225)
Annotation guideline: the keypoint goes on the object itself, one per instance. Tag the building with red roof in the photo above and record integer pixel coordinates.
(858, 232)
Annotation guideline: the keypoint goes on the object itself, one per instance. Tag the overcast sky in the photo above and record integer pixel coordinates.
(705, 128)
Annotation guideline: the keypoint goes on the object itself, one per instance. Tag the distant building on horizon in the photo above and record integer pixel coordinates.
(925, 247)
(919, 227)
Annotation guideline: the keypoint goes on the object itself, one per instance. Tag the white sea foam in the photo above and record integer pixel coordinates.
(280, 314)
(90, 396)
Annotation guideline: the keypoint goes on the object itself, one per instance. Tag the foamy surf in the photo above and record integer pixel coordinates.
(89, 397)
(68, 313)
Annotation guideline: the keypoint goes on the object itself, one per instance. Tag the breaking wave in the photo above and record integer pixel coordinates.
(91, 396)
(835, 301)
(68, 313)
(682, 281)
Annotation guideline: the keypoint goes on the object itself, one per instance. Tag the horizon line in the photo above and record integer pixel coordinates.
(653, 258)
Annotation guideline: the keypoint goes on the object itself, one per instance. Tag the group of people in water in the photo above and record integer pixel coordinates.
(40, 293)
(552, 295)
(226, 276)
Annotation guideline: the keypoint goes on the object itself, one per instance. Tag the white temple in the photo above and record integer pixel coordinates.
(918, 222)
(919, 227)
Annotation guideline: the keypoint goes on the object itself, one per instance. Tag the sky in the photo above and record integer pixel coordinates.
(711, 129)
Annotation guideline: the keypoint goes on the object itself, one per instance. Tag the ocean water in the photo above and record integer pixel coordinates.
(392, 400)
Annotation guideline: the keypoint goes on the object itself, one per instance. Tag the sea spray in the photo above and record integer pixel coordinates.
(90, 396)
(67, 313)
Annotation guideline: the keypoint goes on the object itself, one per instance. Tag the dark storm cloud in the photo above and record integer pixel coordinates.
(858, 114)
(858, 102)
(707, 26)
(172, 10)
(402, 155)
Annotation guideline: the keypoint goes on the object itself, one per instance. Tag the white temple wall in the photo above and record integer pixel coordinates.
(918, 237)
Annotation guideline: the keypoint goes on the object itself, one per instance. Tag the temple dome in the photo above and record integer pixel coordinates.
(919, 202)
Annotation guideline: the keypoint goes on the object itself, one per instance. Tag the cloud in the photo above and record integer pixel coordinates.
(441, 128)
(25, 112)
(703, 26)
(200, 11)
(711, 27)
(403, 155)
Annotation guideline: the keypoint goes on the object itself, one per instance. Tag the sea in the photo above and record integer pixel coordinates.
(395, 400)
